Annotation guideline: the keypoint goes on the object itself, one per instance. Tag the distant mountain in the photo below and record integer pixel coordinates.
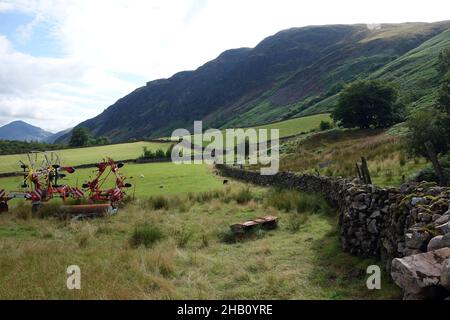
(22, 131)
(295, 72)
(56, 136)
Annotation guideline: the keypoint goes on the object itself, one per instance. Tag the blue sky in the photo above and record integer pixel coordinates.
(64, 61)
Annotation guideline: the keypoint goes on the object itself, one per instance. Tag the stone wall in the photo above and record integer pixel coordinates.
(384, 223)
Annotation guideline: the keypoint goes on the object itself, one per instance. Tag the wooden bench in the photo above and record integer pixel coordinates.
(267, 222)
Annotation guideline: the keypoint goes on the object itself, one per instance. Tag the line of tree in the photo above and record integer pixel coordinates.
(17, 147)
(149, 154)
(81, 138)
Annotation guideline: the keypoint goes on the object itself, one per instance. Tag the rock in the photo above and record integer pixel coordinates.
(359, 206)
(442, 219)
(435, 243)
(417, 240)
(418, 200)
(419, 274)
(445, 275)
(375, 214)
(385, 209)
(372, 226)
(423, 216)
(443, 228)
(409, 252)
(445, 242)
(435, 216)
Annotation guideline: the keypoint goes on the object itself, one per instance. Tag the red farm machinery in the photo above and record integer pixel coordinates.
(42, 177)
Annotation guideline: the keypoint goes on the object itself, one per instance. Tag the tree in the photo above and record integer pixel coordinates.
(325, 125)
(100, 141)
(80, 137)
(427, 126)
(366, 104)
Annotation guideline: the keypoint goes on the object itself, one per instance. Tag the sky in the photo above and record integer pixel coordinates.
(65, 61)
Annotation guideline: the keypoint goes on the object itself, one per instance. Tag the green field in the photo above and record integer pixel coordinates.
(74, 157)
(298, 125)
(287, 128)
(150, 179)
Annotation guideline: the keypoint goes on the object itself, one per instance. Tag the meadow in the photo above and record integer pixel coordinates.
(287, 128)
(149, 179)
(180, 247)
(297, 125)
(78, 156)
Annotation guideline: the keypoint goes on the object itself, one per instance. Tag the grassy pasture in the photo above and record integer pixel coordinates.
(286, 128)
(163, 178)
(78, 156)
(295, 126)
(187, 254)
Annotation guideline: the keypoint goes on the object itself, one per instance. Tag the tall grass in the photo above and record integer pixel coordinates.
(292, 200)
(146, 235)
(335, 153)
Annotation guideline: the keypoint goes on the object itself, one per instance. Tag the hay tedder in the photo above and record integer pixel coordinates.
(41, 183)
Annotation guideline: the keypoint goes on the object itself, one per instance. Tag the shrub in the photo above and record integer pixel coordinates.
(147, 153)
(290, 200)
(325, 125)
(169, 151)
(182, 237)
(158, 203)
(160, 154)
(146, 235)
(295, 221)
(244, 196)
(428, 173)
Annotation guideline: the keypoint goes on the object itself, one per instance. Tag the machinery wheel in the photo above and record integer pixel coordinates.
(3, 207)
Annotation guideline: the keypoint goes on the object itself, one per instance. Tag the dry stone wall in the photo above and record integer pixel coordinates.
(384, 223)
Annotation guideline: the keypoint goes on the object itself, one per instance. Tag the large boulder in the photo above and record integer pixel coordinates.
(445, 275)
(419, 275)
(435, 243)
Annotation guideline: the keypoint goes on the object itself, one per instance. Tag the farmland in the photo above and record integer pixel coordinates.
(73, 157)
(163, 178)
(287, 128)
(298, 125)
(185, 211)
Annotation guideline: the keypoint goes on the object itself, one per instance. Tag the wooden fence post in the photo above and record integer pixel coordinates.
(365, 171)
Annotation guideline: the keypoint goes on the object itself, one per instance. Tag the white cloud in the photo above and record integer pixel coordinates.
(103, 40)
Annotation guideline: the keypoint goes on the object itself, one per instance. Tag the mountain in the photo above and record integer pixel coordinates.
(295, 72)
(52, 138)
(22, 131)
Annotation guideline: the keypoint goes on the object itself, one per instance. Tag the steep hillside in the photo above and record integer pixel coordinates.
(415, 73)
(296, 71)
(22, 131)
